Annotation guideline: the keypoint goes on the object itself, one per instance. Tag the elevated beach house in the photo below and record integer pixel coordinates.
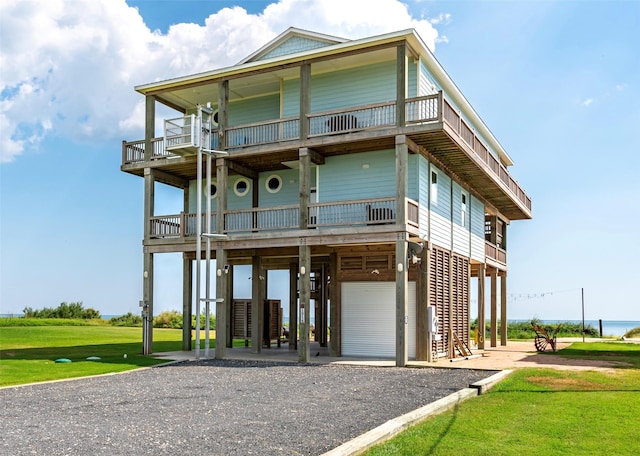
(356, 165)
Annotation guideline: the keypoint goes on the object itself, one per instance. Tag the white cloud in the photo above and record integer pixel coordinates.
(587, 102)
(444, 18)
(69, 66)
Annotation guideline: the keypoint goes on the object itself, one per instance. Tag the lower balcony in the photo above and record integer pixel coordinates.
(495, 253)
(369, 212)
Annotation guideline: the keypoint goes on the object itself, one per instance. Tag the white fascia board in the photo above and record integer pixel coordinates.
(237, 70)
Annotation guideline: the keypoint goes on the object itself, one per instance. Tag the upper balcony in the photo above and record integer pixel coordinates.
(432, 124)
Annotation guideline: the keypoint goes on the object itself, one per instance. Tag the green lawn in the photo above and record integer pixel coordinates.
(541, 411)
(28, 353)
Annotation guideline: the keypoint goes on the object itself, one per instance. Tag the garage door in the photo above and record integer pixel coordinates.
(369, 316)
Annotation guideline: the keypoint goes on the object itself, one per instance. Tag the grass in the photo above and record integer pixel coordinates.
(541, 411)
(28, 353)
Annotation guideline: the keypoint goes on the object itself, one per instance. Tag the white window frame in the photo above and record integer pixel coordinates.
(246, 190)
(269, 189)
(464, 207)
(433, 186)
(204, 189)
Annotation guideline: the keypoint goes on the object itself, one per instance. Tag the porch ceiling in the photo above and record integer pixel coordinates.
(253, 84)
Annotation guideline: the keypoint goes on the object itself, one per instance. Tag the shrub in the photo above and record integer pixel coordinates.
(212, 322)
(633, 333)
(64, 310)
(127, 320)
(524, 330)
(168, 319)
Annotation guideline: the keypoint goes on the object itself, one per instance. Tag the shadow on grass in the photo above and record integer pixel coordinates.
(611, 354)
(446, 430)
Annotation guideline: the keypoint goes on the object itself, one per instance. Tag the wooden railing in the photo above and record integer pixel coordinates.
(430, 108)
(413, 212)
(455, 120)
(272, 131)
(262, 219)
(352, 119)
(133, 152)
(495, 253)
(377, 211)
(423, 109)
(177, 225)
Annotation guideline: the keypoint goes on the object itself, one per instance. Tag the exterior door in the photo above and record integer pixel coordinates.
(369, 319)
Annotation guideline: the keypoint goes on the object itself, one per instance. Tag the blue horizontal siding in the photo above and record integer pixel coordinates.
(344, 178)
(353, 87)
(254, 110)
(293, 45)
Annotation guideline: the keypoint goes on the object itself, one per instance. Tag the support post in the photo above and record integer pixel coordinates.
(147, 286)
(207, 229)
(149, 126)
(293, 306)
(402, 276)
(305, 186)
(257, 300)
(402, 302)
(503, 309)
(187, 298)
(402, 178)
(305, 300)
(223, 113)
(147, 330)
(424, 340)
(401, 84)
(482, 272)
(221, 301)
(494, 307)
(222, 173)
(322, 326)
(305, 99)
(334, 309)
(229, 304)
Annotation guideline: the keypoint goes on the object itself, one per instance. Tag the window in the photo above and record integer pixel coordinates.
(463, 208)
(273, 183)
(214, 190)
(434, 187)
(241, 186)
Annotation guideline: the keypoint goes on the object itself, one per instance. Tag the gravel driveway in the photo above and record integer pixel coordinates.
(214, 407)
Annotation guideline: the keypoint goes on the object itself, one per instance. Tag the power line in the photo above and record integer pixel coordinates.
(537, 295)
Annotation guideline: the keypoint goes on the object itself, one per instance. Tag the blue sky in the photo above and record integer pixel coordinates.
(558, 83)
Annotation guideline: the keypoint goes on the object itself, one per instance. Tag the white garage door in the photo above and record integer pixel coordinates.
(369, 317)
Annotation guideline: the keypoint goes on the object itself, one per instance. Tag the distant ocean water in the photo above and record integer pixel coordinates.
(609, 327)
(615, 328)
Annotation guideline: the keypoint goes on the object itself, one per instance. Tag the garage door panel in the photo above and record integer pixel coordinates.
(368, 319)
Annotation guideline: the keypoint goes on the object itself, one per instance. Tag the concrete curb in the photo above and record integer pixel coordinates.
(395, 426)
(485, 385)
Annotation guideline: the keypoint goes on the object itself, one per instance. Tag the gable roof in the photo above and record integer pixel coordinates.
(291, 41)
